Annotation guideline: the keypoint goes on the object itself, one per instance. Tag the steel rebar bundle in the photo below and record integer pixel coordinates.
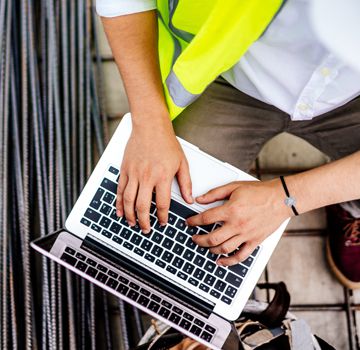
(52, 125)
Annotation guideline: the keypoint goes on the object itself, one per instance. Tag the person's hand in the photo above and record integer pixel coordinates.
(153, 156)
(254, 210)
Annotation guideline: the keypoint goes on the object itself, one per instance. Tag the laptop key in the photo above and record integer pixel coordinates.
(233, 279)
(136, 239)
(160, 263)
(193, 281)
(105, 209)
(136, 227)
(195, 330)
(117, 239)
(128, 246)
(192, 230)
(190, 243)
(108, 198)
(226, 300)
(113, 170)
(123, 221)
(105, 222)
(220, 272)
(215, 294)
(207, 228)
(209, 266)
(122, 289)
(106, 233)
(204, 287)
(101, 277)
(156, 298)
(199, 323)
(166, 304)
(201, 250)
(188, 316)
(188, 268)
(167, 256)
(171, 269)
(109, 185)
(178, 249)
(248, 261)
(85, 222)
(177, 310)
(181, 237)
(182, 275)
(139, 251)
(91, 262)
(80, 256)
(115, 228)
(113, 274)
(143, 300)
(206, 336)
(159, 227)
(157, 251)
(91, 271)
(112, 283)
(125, 233)
(230, 291)
(123, 280)
(99, 193)
(171, 219)
(210, 329)
(170, 232)
(92, 215)
(212, 256)
(238, 269)
(174, 318)
(68, 259)
(180, 224)
(133, 295)
(145, 292)
(220, 285)
(149, 257)
(181, 210)
(96, 228)
(199, 260)
(146, 245)
(157, 237)
(199, 274)
(185, 324)
(255, 251)
(164, 312)
(188, 255)
(167, 243)
(154, 306)
(95, 204)
(209, 279)
(102, 268)
(178, 262)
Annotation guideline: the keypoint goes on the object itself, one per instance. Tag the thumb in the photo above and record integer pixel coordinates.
(184, 180)
(217, 193)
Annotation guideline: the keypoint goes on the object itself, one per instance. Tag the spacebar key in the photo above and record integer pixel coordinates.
(181, 210)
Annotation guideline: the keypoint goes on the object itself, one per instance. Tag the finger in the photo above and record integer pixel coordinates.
(129, 198)
(214, 238)
(123, 180)
(184, 180)
(217, 193)
(143, 202)
(208, 217)
(229, 245)
(244, 251)
(163, 193)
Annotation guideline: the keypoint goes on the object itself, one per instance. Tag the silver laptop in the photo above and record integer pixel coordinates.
(162, 273)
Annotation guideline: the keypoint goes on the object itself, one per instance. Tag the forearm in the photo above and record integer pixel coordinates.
(133, 40)
(332, 183)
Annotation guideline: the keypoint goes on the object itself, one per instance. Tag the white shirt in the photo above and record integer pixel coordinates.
(287, 67)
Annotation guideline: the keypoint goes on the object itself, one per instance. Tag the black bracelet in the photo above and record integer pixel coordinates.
(289, 201)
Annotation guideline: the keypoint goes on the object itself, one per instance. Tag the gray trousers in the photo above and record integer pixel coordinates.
(233, 127)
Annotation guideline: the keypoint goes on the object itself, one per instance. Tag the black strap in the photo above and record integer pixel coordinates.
(288, 194)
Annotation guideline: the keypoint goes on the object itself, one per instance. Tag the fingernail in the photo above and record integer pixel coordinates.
(162, 223)
(118, 213)
(146, 231)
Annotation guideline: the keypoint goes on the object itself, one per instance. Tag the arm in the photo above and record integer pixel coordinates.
(153, 155)
(256, 209)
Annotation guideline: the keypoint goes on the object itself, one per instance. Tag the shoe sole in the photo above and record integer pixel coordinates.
(339, 275)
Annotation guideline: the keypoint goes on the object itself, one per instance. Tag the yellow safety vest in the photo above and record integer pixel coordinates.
(201, 39)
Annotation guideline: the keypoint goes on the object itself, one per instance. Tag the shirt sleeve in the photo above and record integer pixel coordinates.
(113, 8)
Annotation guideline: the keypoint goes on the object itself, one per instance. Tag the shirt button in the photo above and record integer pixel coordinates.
(325, 71)
(303, 107)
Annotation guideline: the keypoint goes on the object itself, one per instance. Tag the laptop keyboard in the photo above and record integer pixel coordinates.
(168, 247)
(138, 294)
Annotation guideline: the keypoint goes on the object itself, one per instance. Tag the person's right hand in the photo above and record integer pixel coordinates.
(152, 158)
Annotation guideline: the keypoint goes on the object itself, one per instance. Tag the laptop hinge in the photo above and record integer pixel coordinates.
(121, 262)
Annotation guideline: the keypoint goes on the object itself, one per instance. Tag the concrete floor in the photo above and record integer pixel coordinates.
(299, 259)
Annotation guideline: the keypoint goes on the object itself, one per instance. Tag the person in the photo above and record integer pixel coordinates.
(281, 78)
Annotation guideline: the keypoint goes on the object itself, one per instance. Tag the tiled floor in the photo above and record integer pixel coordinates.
(299, 260)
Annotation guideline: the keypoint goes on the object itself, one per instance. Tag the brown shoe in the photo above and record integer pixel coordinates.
(343, 246)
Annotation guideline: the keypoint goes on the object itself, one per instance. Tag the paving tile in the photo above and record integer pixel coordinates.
(104, 47)
(286, 151)
(328, 325)
(115, 97)
(300, 262)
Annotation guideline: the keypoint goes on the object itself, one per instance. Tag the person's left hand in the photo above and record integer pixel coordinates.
(254, 210)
